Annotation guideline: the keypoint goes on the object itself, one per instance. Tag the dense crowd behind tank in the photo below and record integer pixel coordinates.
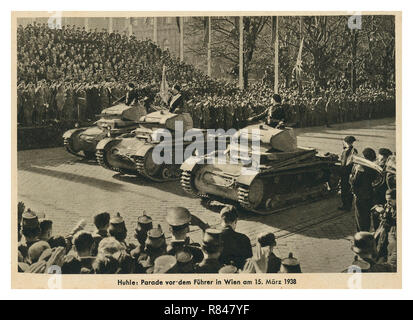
(70, 74)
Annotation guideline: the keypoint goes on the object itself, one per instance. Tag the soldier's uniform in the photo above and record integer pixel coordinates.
(361, 181)
(211, 244)
(290, 265)
(155, 246)
(117, 229)
(236, 246)
(144, 224)
(364, 245)
(30, 221)
(179, 218)
(346, 168)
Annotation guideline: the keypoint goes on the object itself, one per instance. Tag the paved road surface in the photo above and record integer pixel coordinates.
(67, 189)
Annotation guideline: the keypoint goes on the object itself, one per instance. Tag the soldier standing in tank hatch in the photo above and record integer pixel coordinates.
(346, 167)
(273, 115)
(176, 101)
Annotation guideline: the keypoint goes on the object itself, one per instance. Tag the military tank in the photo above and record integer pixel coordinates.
(115, 120)
(280, 175)
(133, 153)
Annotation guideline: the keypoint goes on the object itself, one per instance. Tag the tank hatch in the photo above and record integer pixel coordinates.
(122, 111)
(283, 140)
(167, 120)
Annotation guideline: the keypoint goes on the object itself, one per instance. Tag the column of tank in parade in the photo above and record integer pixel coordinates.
(117, 120)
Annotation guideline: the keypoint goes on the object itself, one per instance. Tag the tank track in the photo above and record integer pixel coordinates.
(186, 182)
(68, 146)
(100, 157)
(140, 167)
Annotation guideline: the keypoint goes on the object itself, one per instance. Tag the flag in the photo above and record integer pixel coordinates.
(164, 90)
(178, 23)
(273, 29)
(206, 31)
(299, 64)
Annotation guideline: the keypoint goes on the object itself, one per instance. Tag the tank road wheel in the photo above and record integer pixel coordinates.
(102, 156)
(68, 143)
(166, 173)
(150, 168)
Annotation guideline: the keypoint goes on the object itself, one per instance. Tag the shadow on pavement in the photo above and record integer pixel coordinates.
(170, 186)
(95, 182)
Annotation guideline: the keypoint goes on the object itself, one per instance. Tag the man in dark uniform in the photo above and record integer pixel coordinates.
(117, 229)
(179, 219)
(236, 246)
(361, 181)
(212, 248)
(101, 222)
(131, 95)
(364, 246)
(155, 246)
(346, 167)
(273, 115)
(176, 101)
(380, 191)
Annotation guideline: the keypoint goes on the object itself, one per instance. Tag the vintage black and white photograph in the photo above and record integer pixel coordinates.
(175, 145)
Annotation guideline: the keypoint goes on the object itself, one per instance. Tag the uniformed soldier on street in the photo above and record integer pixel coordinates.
(179, 219)
(364, 246)
(380, 191)
(155, 246)
(385, 220)
(346, 167)
(361, 182)
(212, 248)
(117, 229)
(236, 246)
(30, 231)
(143, 226)
(290, 265)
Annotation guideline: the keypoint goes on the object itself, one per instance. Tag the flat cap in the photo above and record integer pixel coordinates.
(178, 216)
(212, 237)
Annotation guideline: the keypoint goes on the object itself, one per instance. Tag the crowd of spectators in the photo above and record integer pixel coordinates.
(107, 250)
(71, 74)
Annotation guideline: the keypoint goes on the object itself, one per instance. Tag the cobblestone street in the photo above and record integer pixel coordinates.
(67, 189)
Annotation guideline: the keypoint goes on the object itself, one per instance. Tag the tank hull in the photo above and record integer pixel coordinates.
(82, 142)
(271, 188)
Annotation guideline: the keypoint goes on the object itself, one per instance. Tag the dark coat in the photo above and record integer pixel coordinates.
(237, 248)
(175, 102)
(208, 266)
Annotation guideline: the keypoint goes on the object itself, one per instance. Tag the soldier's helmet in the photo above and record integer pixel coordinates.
(156, 238)
(178, 216)
(290, 265)
(117, 223)
(30, 220)
(363, 243)
(144, 222)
